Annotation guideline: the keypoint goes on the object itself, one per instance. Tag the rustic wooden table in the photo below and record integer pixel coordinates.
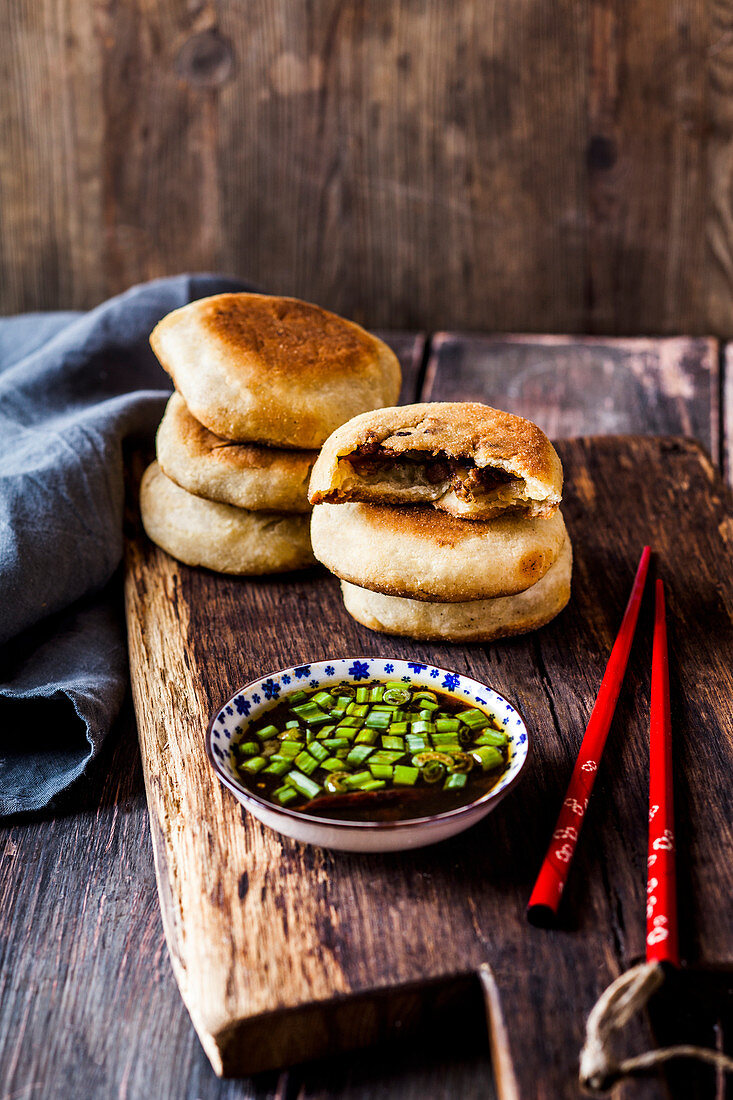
(88, 1004)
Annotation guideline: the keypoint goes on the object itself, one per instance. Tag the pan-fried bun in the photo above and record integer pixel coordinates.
(261, 369)
(475, 621)
(246, 475)
(466, 459)
(417, 552)
(218, 536)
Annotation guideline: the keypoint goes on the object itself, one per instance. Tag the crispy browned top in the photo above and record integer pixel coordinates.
(287, 336)
(458, 429)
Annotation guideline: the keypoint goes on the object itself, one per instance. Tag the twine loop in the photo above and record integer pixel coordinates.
(599, 1068)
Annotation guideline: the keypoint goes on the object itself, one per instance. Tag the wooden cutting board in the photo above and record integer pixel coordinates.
(284, 952)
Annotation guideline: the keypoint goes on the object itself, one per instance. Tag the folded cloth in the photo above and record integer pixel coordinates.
(73, 387)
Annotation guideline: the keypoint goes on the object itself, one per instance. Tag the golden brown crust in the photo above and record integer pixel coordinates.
(247, 475)
(474, 621)
(461, 431)
(422, 554)
(259, 368)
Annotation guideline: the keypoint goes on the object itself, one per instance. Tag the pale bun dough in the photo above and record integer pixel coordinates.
(219, 536)
(418, 552)
(469, 437)
(475, 621)
(263, 369)
(246, 475)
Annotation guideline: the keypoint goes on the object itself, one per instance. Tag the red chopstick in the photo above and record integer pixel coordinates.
(661, 890)
(543, 904)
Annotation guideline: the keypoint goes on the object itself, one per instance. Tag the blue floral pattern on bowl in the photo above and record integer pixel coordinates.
(252, 701)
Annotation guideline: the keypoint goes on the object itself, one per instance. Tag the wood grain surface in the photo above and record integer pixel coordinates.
(501, 166)
(575, 386)
(285, 952)
(86, 988)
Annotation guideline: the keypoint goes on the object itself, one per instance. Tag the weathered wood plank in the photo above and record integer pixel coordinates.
(106, 830)
(307, 930)
(581, 386)
(727, 414)
(409, 347)
(485, 166)
(86, 989)
(88, 1004)
(52, 121)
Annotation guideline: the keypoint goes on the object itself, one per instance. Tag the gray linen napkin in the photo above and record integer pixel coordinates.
(73, 387)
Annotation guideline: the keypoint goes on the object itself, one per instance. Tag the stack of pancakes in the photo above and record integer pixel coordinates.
(261, 382)
(442, 522)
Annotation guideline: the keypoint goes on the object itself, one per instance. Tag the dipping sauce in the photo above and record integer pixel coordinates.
(383, 751)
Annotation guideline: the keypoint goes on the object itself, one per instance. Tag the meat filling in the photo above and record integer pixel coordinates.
(372, 460)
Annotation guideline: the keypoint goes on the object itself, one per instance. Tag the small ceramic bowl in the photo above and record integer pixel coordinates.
(252, 701)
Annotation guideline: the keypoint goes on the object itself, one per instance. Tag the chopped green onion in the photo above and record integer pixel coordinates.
(267, 732)
(462, 763)
(318, 751)
(373, 785)
(253, 765)
(306, 763)
(367, 737)
(399, 728)
(362, 695)
(376, 693)
(311, 714)
(323, 699)
(491, 737)
(347, 689)
(396, 685)
(335, 782)
(381, 771)
(386, 756)
(324, 732)
(433, 771)
(303, 785)
(447, 725)
(290, 749)
(474, 718)
(455, 782)
(397, 695)
(297, 697)
(353, 722)
(356, 710)
(447, 746)
(285, 795)
(278, 767)
(415, 744)
(354, 782)
(248, 748)
(359, 754)
(345, 731)
(423, 727)
(389, 742)
(377, 721)
(424, 695)
(332, 764)
(488, 757)
(292, 725)
(337, 742)
(405, 776)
